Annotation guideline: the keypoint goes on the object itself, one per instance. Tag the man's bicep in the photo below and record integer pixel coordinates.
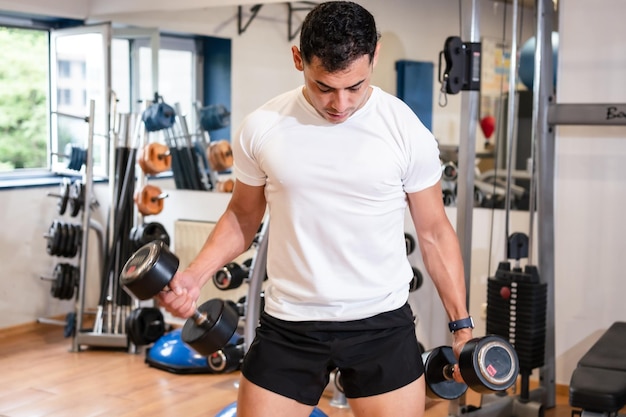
(427, 209)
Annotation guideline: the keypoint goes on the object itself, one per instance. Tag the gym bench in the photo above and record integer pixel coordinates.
(598, 384)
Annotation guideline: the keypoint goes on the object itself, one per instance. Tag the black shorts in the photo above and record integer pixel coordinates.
(374, 355)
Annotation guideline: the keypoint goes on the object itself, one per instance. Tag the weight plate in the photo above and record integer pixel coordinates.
(130, 329)
(149, 270)
(225, 360)
(58, 277)
(417, 280)
(63, 282)
(69, 289)
(76, 198)
(71, 239)
(222, 321)
(78, 239)
(149, 232)
(69, 286)
(75, 279)
(409, 241)
(145, 325)
(60, 281)
(50, 239)
(64, 195)
(64, 246)
(217, 361)
(437, 383)
(489, 364)
(231, 276)
(55, 231)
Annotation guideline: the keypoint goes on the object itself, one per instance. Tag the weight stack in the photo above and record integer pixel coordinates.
(516, 311)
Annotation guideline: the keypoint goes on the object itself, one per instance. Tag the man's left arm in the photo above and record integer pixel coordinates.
(440, 250)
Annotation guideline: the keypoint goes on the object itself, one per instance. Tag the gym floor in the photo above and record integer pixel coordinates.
(40, 377)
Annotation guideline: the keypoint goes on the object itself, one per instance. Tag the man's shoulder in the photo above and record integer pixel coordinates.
(273, 110)
(283, 99)
(390, 102)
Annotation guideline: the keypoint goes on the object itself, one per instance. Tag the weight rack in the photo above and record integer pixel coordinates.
(84, 202)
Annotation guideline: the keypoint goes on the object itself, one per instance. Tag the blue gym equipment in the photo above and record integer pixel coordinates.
(171, 354)
(526, 69)
(231, 411)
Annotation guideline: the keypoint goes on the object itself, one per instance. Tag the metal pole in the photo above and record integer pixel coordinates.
(84, 250)
(511, 123)
(467, 153)
(470, 101)
(543, 96)
(256, 278)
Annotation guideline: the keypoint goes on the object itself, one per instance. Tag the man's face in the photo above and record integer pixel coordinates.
(336, 96)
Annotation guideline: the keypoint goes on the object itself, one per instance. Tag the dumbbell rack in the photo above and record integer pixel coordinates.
(86, 225)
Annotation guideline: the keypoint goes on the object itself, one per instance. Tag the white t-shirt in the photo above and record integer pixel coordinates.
(336, 195)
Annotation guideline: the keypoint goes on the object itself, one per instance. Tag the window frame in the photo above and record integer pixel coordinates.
(45, 176)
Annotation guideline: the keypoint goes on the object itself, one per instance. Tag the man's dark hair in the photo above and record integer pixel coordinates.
(338, 32)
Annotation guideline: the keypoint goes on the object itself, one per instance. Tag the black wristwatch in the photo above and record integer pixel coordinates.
(461, 324)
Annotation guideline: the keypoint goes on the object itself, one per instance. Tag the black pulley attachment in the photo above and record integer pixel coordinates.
(462, 71)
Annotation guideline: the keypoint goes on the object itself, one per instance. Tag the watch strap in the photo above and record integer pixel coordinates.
(465, 323)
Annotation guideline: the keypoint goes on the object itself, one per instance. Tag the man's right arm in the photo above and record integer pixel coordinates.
(231, 236)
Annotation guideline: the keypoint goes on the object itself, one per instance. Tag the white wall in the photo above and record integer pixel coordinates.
(590, 182)
(262, 68)
(262, 63)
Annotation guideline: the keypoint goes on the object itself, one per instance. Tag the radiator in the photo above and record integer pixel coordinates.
(189, 237)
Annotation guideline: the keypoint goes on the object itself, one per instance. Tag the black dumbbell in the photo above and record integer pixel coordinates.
(145, 325)
(149, 271)
(231, 276)
(487, 364)
(227, 359)
(409, 241)
(417, 280)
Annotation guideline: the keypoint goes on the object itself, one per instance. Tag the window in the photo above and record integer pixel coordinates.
(23, 99)
(64, 96)
(49, 76)
(64, 69)
(177, 72)
(84, 52)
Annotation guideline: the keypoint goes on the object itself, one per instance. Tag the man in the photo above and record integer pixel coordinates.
(337, 161)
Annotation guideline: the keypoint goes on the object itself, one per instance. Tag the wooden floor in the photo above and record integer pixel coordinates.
(40, 376)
